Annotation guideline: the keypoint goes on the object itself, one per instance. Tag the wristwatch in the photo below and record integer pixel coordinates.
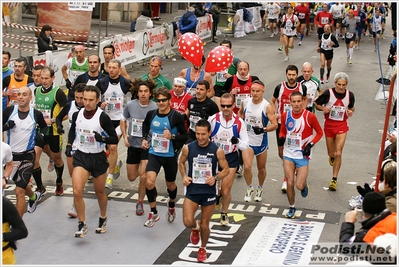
(216, 178)
(173, 137)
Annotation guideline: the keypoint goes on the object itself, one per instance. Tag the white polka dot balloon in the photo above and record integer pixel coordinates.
(219, 58)
(191, 48)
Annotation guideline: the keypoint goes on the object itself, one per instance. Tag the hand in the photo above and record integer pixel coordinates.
(126, 141)
(104, 105)
(306, 151)
(351, 216)
(98, 137)
(167, 134)
(187, 180)
(68, 83)
(68, 151)
(234, 140)
(144, 144)
(363, 191)
(258, 130)
(60, 129)
(9, 125)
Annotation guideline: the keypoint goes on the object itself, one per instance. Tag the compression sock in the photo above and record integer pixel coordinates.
(302, 35)
(328, 72)
(154, 210)
(37, 175)
(59, 171)
(321, 73)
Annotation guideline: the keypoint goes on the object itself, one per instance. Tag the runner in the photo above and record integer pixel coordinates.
(108, 54)
(91, 129)
(195, 74)
(289, 23)
(257, 112)
(199, 107)
(297, 126)
(20, 122)
(168, 132)
(337, 105)
(113, 89)
(200, 180)
(229, 133)
(137, 157)
(312, 84)
(326, 45)
(281, 103)
(50, 99)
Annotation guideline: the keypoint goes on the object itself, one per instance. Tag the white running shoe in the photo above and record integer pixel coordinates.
(258, 194)
(72, 212)
(248, 194)
(284, 186)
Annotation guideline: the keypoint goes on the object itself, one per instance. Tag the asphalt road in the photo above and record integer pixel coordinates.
(363, 140)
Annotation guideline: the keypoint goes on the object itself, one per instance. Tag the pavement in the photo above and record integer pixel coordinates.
(256, 227)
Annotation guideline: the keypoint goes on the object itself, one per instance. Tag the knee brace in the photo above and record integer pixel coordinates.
(151, 194)
(172, 194)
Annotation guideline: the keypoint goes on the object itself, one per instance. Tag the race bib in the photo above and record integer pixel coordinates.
(192, 91)
(114, 103)
(86, 138)
(137, 126)
(193, 121)
(337, 113)
(220, 76)
(287, 107)
(310, 99)
(159, 143)
(324, 20)
(349, 35)
(224, 144)
(46, 113)
(202, 167)
(294, 141)
(252, 121)
(240, 98)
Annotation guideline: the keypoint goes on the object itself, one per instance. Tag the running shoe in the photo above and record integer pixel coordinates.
(152, 219)
(201, 255)
(224, 219)
(72, 212)
(32, 204)
(50, 166)
(331, 161)
(347, 59)
(139, 208)
(90, 180)
(287, 59)
(305, 191)
(300, 43)
(170, 214)
(102, 226)
(109, 182)
(280, 48)
(248, 194)
(117, 170)
(239, 169)
(59, 189)
(284, 186)
(271, 36)
(42, 190)
(322, 81)
(327, 79)
(291, 213)
(218, 203)
(82, 230)
(258, 194)
(195, 235)
(350, 61)
(333, 185)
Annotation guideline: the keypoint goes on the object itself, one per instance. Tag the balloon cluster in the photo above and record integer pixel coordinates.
(191, 48)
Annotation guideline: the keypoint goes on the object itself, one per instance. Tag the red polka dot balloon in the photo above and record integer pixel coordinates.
(191, 48)
(219, 58)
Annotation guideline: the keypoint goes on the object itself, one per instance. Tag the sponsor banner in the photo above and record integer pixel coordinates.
(257, 20)
(58, 60)
(249, 26)
(204, 26)
(239, 27)
(279, 241)
(242, 27)
(138, 45)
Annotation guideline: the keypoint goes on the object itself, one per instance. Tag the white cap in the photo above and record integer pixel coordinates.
(179, 81)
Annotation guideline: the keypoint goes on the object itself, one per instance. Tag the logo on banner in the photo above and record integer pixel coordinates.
(123, 46)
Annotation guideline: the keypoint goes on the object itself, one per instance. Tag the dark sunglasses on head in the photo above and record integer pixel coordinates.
(226, 106)
(161, 100)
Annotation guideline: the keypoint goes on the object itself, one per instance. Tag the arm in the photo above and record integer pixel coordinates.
(240, 112)
(108, 127)
(146, 129)
(11, 215)
(123, 126)
(351, 106)
(41, 122)
(322, 100)
(283, 129)
(222, 164)
(271, 115)
(62, 114)
(124, 73)
(72, 133)
(228, 84)
(210, 93)
(316, 126)
(182, 166)
(243, 140)
(64, 72)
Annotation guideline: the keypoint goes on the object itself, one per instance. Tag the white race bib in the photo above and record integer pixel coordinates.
(159, 143)
(337, 113)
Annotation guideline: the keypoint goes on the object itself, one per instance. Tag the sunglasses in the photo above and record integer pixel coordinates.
(161, 100)
(226, 106)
